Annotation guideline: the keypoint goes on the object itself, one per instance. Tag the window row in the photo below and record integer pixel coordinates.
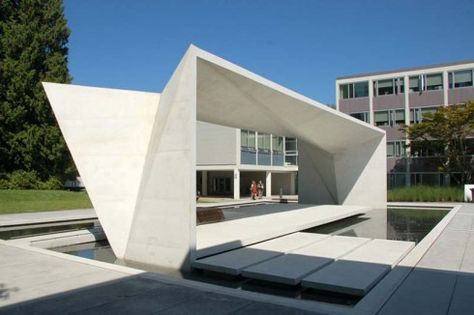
(251, 140)
(417, 83)
(394, 117)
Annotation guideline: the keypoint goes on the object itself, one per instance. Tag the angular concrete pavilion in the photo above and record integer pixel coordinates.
(136, 151)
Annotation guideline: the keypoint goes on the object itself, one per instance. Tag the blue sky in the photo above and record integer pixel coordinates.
(303, 45)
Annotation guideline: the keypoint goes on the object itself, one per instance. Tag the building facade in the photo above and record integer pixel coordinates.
(228, 159)
(392, 99)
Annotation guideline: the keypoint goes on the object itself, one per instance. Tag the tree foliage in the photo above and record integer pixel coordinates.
(33, 48)
(446, 133)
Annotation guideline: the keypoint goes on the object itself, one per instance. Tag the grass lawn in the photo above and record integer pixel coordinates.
(16, 201)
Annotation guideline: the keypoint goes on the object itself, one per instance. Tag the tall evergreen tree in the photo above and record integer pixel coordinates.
(33, 48)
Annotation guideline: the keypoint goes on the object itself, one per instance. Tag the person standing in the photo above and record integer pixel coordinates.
(260, 188)
(253, 190)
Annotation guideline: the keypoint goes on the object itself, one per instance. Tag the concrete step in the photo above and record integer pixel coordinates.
(233, 262)
(360, 270)
(292, 267)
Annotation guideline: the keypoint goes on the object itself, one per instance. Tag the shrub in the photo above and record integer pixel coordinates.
(53, 183)
(426, 194)
(23, 180)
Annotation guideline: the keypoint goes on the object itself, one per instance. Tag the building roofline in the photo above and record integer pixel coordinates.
(406, 69)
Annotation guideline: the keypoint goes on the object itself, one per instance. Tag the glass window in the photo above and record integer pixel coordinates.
(399, 116)
(264, 142)
(251, 139)
(381, 118)
(414, 84)
(343, 91)
(434, 81)
(244, 142)
(426, 110)
(463, 78)
(390, 149)
(401, 85)
(361, 89)
(364, 116)
(290, 144)
(385, 87)
(277, 144)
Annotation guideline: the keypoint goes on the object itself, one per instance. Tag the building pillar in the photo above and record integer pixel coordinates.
(236, 184)
(293, 183)
(445, 87)
(204, 183)
(371, 102)
(268, 185)
(406, 85)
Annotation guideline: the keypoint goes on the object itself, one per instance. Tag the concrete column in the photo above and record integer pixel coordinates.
(445, 87)
(204, 183)
(268, 185)
(407, 122)
(293, 183)
(371, 102)
(337, 96)
(236, 184)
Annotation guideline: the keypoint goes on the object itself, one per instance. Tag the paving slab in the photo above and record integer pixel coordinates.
(347, 277)
(425, 291)
(279, 220)
(385, 252)
(233, 262)
(357, 272)
(46, 217)
(292, 267)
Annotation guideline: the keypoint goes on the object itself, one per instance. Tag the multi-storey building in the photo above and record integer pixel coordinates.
(228, 159)
(391, 99)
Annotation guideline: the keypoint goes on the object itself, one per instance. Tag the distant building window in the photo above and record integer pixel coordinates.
(381, 118)
(364, 116)
(277, 144)
(434, 81)
(426, 82)
(247, 139)
(264, 142)
(416, 114)
(351, 90)
(460, 79)
(361, 89)
(291, 151)
(390, 118)
(415, 84)
(396, 149)
(389, 86)
(385, 87)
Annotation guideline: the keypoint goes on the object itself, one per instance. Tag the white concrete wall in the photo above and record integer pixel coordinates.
(164, 226)
(216, 145)
(107, 132)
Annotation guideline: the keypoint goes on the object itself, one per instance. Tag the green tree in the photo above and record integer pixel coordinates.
(33, 48)
(445, 133)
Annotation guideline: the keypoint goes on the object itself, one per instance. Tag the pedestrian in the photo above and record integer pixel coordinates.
(260, 188)
(253, 190)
